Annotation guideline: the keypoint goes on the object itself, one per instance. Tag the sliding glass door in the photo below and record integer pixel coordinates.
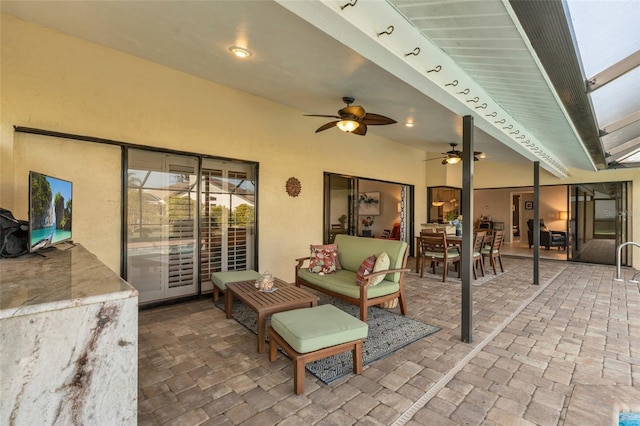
(162, 224)
(599, 222)
(228, 218)
(339, 207)
(172, 202)
(350, 203)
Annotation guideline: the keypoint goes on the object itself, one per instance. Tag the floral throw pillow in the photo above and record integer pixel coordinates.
(333, 247)
(382, 263)
(366, 267)
(323, 259)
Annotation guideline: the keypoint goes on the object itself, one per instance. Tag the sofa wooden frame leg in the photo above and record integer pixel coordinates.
(300, 360)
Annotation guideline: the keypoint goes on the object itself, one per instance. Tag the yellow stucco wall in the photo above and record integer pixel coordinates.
(59, 83)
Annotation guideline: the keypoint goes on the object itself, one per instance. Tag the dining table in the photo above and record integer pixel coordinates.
(452, 240)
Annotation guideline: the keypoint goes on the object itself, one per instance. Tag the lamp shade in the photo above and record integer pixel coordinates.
(347, 125)
(453, 160)
(437, 203)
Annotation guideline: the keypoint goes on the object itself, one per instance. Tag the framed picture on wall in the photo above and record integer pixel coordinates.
(369, 204)
(528, 205)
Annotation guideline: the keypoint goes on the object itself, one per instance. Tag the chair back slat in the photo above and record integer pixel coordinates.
(498, 237)
(478, 241)
(433, 242)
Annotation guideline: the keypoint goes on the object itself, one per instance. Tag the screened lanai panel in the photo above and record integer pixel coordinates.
(607, 36)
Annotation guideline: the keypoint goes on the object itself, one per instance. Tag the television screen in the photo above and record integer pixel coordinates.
(49, 211)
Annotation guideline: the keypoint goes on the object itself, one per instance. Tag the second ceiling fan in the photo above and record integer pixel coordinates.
(353, 119)
(454, 156)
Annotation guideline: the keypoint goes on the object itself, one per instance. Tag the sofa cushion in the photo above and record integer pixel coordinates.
(366, 267)
(352, 249)
(344, 282)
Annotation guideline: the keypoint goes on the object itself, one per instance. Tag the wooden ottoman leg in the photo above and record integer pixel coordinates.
(216, 294)
(357, 357)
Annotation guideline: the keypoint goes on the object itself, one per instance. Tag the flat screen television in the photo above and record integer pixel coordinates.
(49, 211)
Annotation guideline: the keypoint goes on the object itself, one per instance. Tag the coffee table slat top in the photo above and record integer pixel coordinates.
(285, 298)
(265, 302)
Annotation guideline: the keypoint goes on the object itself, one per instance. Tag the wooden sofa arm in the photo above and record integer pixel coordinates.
(300, 263)
(385, 272)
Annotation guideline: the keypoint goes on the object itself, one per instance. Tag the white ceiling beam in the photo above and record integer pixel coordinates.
(614, 71)
(625, 149)
(619, 124)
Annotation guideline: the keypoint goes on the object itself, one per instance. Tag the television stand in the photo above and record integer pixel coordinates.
(71, 243)
(57, 246)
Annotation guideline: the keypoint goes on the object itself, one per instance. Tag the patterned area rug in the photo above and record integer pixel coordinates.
(388, 332)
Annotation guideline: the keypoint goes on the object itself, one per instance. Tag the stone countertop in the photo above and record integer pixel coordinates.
(64, 278)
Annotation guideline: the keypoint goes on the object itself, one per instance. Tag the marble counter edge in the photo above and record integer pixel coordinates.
(67, 303)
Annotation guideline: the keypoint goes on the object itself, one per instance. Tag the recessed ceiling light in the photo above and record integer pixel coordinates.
(408, 124)
(240, 52)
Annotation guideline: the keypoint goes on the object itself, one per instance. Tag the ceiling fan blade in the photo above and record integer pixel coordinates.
(327, 126)
(444, 161)
(354, 110)
(377, 120)
(321, 115)
(360, 130)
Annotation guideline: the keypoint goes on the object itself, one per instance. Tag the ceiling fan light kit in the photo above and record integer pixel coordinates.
(454, 156)
(347, 125)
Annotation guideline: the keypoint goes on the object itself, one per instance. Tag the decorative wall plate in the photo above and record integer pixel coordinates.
(293, 187)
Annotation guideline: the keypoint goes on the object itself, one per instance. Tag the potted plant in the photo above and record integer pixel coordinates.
(450, 216)
(343, 221)
(367, 222)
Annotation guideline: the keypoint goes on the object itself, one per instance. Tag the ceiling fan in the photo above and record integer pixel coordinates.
(454, 156)
(353, 119)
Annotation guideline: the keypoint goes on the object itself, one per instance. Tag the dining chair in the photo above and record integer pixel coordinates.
(434, 247)
(478, 244)
(493, 251)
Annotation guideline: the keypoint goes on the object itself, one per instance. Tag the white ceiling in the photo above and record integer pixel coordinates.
(297, 63)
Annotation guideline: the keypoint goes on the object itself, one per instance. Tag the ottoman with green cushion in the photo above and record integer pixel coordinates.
(221, 279)
(310, 334)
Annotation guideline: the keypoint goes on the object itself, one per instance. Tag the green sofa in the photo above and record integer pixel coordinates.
(342, 284)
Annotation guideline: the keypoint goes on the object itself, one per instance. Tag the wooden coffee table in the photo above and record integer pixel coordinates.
(285, 298)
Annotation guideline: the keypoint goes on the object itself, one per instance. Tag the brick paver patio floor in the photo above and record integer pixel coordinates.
(565, 352)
